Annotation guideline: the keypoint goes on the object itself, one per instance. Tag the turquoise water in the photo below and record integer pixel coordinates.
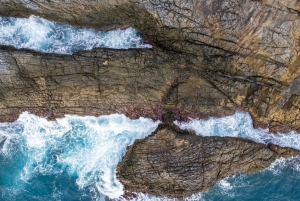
(280, 182)
(75, 158)
(45, 36)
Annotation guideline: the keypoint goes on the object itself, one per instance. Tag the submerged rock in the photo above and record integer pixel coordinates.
(175, 163)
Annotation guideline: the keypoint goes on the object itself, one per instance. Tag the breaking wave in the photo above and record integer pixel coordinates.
(75, 158)
(52, 37)
(240, 125)
(81, 152)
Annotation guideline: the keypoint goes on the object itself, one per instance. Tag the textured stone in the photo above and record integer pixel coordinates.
(175, 163)
(210, 59)
(246, 53)
(102, 81)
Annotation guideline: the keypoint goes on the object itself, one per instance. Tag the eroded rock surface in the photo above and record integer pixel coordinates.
(210, 59)
(176, 163)
(134, 82)
(246, 53)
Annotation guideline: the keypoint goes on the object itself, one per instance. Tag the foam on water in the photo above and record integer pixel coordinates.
(45, 36)
(88, 149)
(279, 182)
(76, 157)
(240, 125)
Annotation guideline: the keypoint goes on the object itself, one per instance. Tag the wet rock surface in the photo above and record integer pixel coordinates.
(175, 163)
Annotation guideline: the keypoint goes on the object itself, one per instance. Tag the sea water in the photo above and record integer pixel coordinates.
(75, 158)
(281, 181)
(52, 37)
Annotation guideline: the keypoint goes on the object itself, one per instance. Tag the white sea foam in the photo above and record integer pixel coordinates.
(278, 166)
(240, 125)
(146, 197)
(88, 148)
(45, 36)
(225, 185)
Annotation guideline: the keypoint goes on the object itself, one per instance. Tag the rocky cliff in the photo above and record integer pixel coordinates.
(240, 54)
(210, 58)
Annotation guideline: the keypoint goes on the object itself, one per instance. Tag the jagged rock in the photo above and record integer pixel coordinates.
(134, 82)
(246, 52)
(284, 152)
(210, 59)
(175, 163)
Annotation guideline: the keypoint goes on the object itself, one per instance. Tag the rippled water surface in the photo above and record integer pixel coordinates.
(75, 158)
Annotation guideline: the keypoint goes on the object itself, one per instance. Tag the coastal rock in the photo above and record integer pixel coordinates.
(246, 53)
(133, 82)
(175, 163)
(284, 152)
(210, 58)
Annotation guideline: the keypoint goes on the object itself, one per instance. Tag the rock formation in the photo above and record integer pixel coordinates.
(102, 81)
(246, 53)
(211, 58)
(174, 163)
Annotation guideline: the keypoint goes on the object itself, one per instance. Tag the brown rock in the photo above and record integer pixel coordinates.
(235, 54)
(284, 152)
(211, 58)
(135, 82)
(175, 163)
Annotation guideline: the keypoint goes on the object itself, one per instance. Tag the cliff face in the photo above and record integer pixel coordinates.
(239, 54)
(210, 59)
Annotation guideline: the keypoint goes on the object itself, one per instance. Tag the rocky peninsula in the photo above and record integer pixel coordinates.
(210, 58)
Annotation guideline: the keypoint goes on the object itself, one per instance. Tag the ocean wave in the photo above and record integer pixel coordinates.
(86, 148)
(240, 125)
(45, 36)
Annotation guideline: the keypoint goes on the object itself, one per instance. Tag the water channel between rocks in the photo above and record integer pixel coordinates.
(76, 157)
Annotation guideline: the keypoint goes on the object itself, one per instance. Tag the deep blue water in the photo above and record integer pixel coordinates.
(75, 158)
(281, 182)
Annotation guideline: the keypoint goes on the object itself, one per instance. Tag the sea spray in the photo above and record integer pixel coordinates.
(281, 181)
(240, 125)
(75, 158)
(52, 37)
(87, 149)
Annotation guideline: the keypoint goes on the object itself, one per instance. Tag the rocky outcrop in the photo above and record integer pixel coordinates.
(245, 52)
(210, 59)
(175, 163)
(102, 81)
